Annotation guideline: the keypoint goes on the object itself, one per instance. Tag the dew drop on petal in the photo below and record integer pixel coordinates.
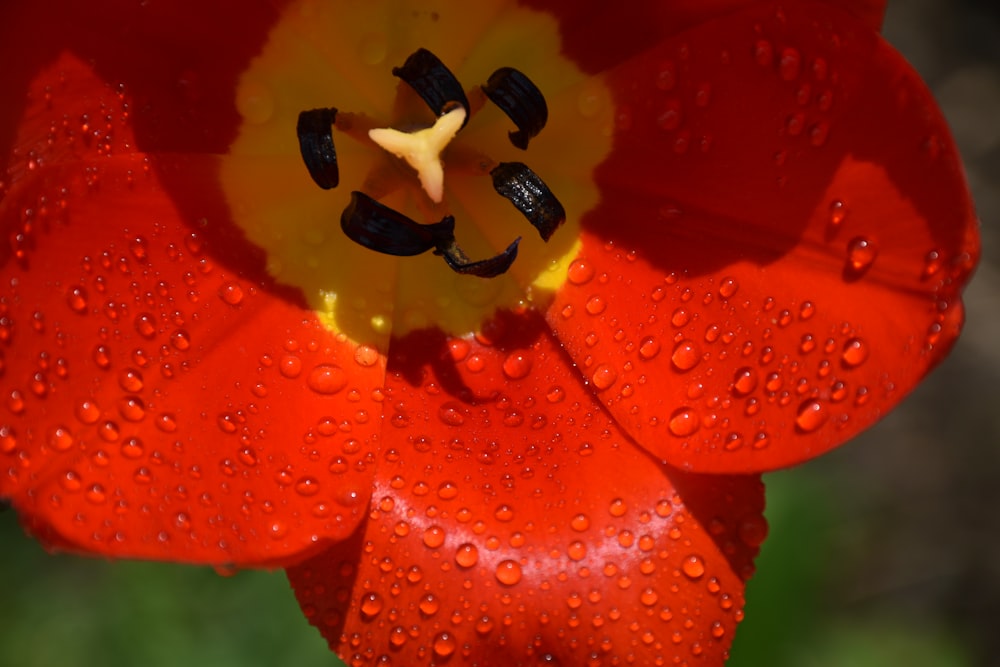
(231, 293)
(444, 644)
(371, 605)
(685, 355)
(517, 365)
(861, 253)
(693, 567)
(855, 352)
(745, 381)
(649, 348)
(811, 415)
(580, 272)
(327, 379)
(508, 572)
(76, 298)
(683, 422)
(434, 537)
(467, 555)
(604, 376)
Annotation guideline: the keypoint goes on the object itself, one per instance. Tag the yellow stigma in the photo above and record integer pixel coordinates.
(422, 149)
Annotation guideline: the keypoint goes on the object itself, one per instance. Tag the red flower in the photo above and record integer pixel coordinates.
(767, 231)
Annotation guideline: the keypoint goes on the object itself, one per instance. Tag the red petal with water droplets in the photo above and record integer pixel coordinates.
(782, 240)
(598, 35)
(162, 397)
(513, 521)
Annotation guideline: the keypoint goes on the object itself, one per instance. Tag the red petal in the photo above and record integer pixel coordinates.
(585, 24)
(725, 306)
(513, 521)
(163, 397)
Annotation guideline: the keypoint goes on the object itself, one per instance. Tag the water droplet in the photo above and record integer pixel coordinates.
(434, 537)
(307, 486)
(467, 555)
(87, 412)
(580, 272)
(508, 572)
(102, 356)
(444, 644)
(76, 298)
(132, 448)
(838, 213)
(290, 366)
(327, 379)
(577, 551)
(811, 415)
(366, 356)
(855, 352)
(649, 348)
(231, 293)
(745, 381)
(693, 567)
(618, 508)
(166, 422)
(861, 253)
(683, 422)
(429, 604)
(580, 523)
(604, 376)
(790, 65)
(371, 605)
(181, 340)
(517, 365)
(130, 380)
(60, 439)
(685, 356)
(728, 287)
(132, 408)
(145, 324)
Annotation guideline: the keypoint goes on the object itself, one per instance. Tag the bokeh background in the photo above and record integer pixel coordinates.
(886, 552)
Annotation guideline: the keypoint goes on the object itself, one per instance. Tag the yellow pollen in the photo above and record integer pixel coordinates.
(422, 149)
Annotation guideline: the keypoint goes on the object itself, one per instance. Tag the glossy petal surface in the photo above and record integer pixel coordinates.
(149, 363)
(513, 522)
(763, 279)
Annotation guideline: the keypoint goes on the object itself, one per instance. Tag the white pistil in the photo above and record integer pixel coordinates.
(422, 149)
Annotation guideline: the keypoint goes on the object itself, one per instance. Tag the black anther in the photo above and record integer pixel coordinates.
(529, 195)
(484, 268)
(521, 100)
(315, 130)
(434, 82)
(385, 230)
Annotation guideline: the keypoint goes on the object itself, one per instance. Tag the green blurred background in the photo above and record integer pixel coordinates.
(886, 552)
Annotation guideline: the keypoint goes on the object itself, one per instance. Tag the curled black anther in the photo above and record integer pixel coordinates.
(521, 100)
(434, 82)
(483, 268)
(385, 230)
(315, 130)
(529, 195)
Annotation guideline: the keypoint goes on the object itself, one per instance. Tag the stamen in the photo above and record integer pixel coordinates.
(422, 149)
(385, 230)
(529, 195)
(315, 130)
(521, 100)
(434, 82)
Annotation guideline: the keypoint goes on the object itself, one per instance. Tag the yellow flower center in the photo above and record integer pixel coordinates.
(341, 54)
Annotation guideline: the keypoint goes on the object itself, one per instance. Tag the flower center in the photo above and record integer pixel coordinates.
(321, 53)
